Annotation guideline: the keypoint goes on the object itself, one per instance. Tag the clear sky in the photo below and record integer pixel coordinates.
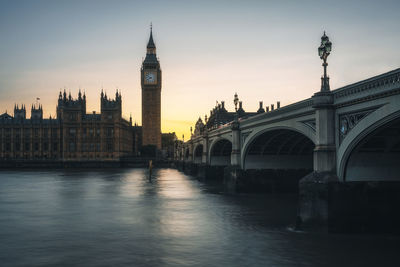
(263, 50)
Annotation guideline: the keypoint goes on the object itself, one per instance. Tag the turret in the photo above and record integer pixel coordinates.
(151, 47)
(36, 112)
(151, 57)
(19, 113)
(111, 108)
(74, 107)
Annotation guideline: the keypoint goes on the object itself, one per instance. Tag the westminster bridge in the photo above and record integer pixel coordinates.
(339, 148)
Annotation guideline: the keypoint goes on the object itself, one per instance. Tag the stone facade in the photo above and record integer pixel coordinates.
(73, 135)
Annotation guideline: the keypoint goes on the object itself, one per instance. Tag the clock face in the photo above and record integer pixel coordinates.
(150, 77)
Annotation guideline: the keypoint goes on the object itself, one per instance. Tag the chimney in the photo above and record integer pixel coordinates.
(240, 104)
(261, 109)
(267, 109)
(272, 107)
(223, 104)
(278, 104)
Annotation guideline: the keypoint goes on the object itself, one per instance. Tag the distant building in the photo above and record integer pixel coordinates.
(73, 135)
(168, 143)
(220, 116)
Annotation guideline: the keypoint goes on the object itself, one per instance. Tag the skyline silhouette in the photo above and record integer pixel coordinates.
(208, 51)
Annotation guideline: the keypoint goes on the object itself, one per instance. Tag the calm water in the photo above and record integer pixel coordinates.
(119, 218)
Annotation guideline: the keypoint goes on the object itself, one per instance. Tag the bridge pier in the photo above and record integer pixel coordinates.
(315, 196)
(237, 180)
(190, 168)
(360, 206)
(203, 172)
(207, 173)
(316, 190)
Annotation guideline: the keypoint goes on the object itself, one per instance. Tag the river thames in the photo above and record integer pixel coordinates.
(120, 218)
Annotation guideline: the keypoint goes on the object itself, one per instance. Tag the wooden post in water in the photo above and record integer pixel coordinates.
(150, 169)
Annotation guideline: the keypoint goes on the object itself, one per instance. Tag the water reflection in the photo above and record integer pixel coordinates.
(118, 217)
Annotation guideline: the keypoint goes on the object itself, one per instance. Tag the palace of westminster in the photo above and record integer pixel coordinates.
(75, 135)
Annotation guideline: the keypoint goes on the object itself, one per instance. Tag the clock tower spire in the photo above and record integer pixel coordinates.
(151, 96)
(151, 47)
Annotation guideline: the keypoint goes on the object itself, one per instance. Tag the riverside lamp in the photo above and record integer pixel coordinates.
(323, 51)
(235, 101)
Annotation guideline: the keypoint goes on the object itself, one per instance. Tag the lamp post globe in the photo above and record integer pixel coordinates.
(323, 52)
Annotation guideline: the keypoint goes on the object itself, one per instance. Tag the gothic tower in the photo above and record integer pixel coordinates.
(151, 96)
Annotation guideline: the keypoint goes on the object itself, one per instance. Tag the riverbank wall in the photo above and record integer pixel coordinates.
(56, 164)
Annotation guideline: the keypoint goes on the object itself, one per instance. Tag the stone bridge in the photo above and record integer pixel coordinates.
(334, 138)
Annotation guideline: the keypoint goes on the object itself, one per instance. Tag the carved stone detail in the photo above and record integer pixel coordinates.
(348, 121)
(311, 123)
(376, 82)
(245, 135)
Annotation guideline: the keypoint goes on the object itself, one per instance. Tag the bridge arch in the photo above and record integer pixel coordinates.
(198, 153)
(301, 132)
(371, 150)
(220, 152)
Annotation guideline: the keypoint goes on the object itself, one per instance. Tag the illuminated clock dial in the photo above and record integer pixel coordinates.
(150, 77)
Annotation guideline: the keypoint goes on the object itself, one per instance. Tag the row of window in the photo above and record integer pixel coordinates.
(27, 147)
(46, 147)
(27, 132)
(109, 132)
(21, 156)
(90, 147)
(91, 132)
(90, 156)
(74, 116)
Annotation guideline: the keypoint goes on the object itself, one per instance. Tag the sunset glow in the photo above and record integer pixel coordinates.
(263, 50)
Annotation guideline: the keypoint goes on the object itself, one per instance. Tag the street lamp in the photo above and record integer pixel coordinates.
(236, 101)
(323, 51)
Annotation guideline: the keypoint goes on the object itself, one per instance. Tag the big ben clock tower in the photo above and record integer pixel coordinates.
(151, 96)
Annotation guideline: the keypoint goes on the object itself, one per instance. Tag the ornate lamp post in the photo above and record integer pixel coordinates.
(236, 101)
(323, 51)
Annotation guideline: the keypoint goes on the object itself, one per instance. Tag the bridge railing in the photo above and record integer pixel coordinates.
(282, 110)
(273, 113)
(389, 80)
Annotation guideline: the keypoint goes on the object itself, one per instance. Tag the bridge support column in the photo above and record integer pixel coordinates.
(234, 175)
(315, 190)
(212, 174)
(189, 168)
(325, 149)
(235, 154)
(203, 168)
(204, 159)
